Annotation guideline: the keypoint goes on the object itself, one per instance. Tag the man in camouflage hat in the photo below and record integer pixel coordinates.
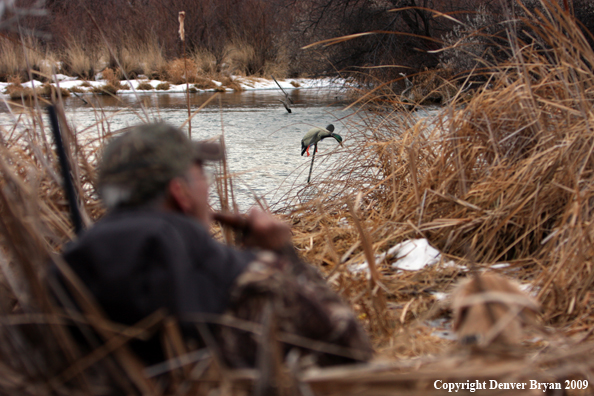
(153, 250)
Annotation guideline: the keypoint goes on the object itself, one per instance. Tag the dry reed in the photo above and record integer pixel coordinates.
(180, 71)
(506, 176)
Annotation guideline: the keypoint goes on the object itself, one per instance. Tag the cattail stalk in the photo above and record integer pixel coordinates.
(182, 36)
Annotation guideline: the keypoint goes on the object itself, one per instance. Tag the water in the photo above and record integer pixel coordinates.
(263, 140)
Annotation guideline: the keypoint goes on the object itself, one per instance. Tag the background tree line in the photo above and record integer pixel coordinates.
(261, 37)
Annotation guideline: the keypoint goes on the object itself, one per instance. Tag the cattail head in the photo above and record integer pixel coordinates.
(180, 18)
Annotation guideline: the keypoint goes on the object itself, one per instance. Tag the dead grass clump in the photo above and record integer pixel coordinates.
(179, 69)
(80, 60)
(230, 83)
(17, 91)
(205, 61)
(431, 87)
(163, 86)
(10, 61)
(113, 78)
(239, 59)
(273, 68)
(204, 83)
(279, 64)
(49, 90)
(22, 93)
(105, 89)
(133, 58)
(144, 57)
(15, 55)
(144, 86)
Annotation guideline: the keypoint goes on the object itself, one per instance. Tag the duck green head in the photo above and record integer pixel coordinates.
(337, 137)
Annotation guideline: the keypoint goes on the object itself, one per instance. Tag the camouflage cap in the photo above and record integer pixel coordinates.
(138, 164)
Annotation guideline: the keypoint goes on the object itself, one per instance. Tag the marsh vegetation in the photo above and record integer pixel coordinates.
(502, 179)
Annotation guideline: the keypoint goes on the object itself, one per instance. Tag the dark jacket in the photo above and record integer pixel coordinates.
(137, 261)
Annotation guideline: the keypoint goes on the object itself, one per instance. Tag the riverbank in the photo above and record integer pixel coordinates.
(112, 86)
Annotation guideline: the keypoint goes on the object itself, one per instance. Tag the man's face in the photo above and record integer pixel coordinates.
(196, 185)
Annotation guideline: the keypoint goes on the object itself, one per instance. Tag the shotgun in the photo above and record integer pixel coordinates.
(68, 184)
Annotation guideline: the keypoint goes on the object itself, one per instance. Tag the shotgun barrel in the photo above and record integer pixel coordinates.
(66, 176)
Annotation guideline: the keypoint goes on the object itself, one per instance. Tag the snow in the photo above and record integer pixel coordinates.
(63, 77)
(411, 255)
(247, 83)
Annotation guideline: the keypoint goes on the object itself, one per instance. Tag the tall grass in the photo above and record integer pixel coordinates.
(205, 61)
(181, 71)
(16, 55)
(238, 58)
(141, 57)
(505, 175)
(131, 59)
(82, 60)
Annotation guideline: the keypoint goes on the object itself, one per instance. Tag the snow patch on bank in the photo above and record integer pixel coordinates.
(411, 255)
(246, 83)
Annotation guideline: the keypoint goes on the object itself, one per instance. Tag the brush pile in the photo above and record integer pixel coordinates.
(506, 177)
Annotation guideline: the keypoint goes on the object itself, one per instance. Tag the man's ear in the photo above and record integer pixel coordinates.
(179, 195)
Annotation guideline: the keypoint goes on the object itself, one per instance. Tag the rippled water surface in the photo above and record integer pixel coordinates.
(263, 140)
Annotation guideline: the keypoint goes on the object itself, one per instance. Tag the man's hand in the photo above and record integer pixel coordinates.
(266, 232)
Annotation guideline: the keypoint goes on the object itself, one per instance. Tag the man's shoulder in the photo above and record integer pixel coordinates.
(146, 219)
(141, 224)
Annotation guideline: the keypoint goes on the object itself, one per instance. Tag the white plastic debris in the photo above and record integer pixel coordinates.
(411, 255)
(500, 266)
